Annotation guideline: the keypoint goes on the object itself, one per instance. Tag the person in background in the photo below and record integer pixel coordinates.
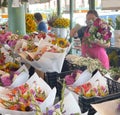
(41, 25)
(97, 50)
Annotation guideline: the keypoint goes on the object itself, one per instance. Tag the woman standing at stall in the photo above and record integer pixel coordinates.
(91, 47)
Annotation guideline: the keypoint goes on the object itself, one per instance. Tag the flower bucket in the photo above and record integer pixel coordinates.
(117, 38)
(60, 32)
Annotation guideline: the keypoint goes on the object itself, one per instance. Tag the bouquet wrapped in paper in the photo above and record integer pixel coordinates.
(14, 78)
(33, 97)
(67, 106)
(43, 56)
(88, 86)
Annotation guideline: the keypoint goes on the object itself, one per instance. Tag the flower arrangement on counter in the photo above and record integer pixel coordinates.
(30, 23)
(99, 32)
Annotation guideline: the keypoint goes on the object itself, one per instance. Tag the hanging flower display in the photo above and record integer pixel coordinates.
(30, 23)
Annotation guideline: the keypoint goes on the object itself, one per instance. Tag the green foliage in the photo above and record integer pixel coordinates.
(117, 22)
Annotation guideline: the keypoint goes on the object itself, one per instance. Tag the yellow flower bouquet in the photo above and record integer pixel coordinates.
(61, 23)
(30, 23)
(58, 21)
(61, 42)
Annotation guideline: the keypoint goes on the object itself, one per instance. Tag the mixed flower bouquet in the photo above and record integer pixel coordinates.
(12, 77)
(23, 98)
(99, 32)
(51, 50)
(88, 85)
(34, 96)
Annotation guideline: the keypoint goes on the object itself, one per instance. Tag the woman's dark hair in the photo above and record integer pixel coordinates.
(93, 12)
(38, 16)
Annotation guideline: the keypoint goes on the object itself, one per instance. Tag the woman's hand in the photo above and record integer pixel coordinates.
(74, 31)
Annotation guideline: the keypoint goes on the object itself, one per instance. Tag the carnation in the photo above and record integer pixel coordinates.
(6, 81)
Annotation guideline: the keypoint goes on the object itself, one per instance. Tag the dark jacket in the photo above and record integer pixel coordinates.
(81, 32)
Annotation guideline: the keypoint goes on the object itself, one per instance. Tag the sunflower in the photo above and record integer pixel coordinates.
(61, 42)
(30, 23)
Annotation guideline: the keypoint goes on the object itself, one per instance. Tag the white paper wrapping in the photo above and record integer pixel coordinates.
(49, 61)
(98, 79)
(107, 108)
(48, 102)
(51, 93)
(84, 77)
(11, 112)
(70, 105)
(21, 78)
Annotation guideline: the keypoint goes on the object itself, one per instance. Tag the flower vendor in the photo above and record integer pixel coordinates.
(95, 38)
(41, 24)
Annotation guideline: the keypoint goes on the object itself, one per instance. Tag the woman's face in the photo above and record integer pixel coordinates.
(90, 19)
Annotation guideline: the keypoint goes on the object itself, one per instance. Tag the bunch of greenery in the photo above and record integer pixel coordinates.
(117, 23)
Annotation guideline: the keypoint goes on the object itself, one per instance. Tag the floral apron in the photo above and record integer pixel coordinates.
(95, 51)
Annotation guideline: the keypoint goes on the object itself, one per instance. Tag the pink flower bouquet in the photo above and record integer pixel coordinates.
(99, 31)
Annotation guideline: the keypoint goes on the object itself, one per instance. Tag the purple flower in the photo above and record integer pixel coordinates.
(6, 81)
(57, 106)
(26, 37)
(50, 112)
